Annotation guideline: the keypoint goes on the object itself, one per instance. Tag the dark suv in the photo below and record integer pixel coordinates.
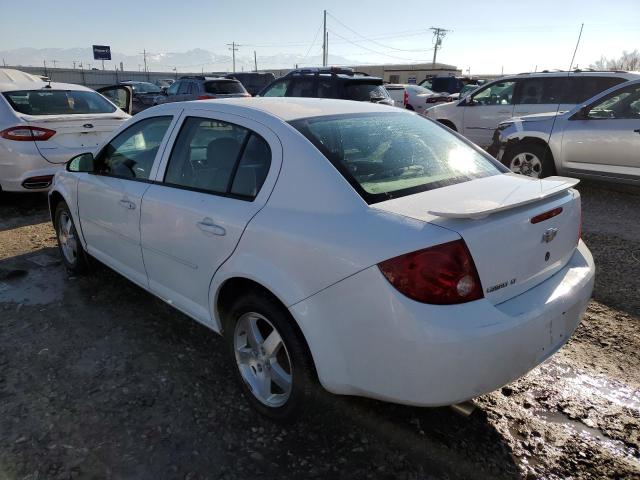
(201, 88)
(341, 83)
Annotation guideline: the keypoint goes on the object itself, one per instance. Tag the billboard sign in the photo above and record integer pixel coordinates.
(101, 52)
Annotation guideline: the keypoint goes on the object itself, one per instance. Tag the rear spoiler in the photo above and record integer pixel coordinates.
(534, 191)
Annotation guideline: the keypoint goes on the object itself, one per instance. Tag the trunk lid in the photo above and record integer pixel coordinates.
(493, 215)
(74, 133)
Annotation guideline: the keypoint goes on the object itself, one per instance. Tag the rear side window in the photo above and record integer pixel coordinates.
(184, 88)
(223, 87)
(586, 87)
(390, 155)
(218, 157)
(58, 102)
(364, 92)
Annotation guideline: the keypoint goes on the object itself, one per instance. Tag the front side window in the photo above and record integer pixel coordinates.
(184, 88)
(390, 155)
(132, 153)
(498, 93)
(621, 104)
(302, 87)
(218, 157)
(58, 102)
(278, 89)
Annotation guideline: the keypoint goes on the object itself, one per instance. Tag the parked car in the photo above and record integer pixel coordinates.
(413, 97)
(599, 138)
(144, 94)
(43, 124)
(201, 88)
(253, 82)
(477, 115)
(340, 242)
(333, 82)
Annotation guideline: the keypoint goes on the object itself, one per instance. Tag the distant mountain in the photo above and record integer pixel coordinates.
(190, 61)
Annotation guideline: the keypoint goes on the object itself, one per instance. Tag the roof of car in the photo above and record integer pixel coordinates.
(293, 108)
(11, 80)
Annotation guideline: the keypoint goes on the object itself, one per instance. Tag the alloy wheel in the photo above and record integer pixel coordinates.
(263, 360)
(67, 238)
(526, 164)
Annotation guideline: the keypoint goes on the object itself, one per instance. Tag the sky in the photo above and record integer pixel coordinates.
(485, 36)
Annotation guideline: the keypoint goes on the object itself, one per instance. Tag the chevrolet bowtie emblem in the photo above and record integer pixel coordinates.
(549, 234)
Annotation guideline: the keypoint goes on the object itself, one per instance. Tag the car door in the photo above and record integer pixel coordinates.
(109, 199)
(485, 109)
(120, 95)
(215, 178)
(605, 135)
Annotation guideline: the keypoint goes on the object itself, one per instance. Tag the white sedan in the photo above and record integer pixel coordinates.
(369, 249)
(415, 97)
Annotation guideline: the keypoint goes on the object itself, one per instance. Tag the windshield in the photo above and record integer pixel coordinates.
(224, 87)
(145, 88)
(364, 92)
(58, 102)
(390, 155)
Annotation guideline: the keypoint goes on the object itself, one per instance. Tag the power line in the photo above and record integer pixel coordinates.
(389, 47)
(315, 37)
(376, 51)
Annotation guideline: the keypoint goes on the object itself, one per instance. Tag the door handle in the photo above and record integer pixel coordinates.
(208, 226)
(127, 204)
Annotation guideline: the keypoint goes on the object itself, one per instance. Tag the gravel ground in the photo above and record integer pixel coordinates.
(98, 379)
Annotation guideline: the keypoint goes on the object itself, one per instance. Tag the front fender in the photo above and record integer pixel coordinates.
(65, 185)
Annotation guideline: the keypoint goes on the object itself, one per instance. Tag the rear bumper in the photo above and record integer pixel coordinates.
(367, 339)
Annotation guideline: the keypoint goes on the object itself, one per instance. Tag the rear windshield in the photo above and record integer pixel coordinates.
(145, 88)
(390, 155)
(58, 102)
(364, 92)
(224, 87)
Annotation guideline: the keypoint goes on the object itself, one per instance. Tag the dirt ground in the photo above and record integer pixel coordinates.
(98, 379)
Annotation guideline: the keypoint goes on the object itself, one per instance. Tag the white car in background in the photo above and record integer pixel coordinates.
(43, 124)
(333, 241)
(477, 115)
(414, 97)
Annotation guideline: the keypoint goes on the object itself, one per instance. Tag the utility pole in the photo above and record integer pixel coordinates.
(54, 63)
(144, 57)
(324, 40)
(4, 64)
(44, 62)
(175, 69)
(234, 48)
(74, 64)
(438, 35)
(255, 61)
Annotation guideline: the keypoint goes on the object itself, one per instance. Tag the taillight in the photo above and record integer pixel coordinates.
(405, 98)
(441, 275)
(546, 215)
(205, 97)
(27, 133)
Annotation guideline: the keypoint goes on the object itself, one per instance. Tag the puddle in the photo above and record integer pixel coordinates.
(44, 260)
(587, 385)
(616, 447)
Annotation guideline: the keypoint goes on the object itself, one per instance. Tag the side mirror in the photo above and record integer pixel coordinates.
(81, 163)
(584, 112)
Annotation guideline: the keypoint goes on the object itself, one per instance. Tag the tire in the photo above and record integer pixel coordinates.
(530, 159)
(72, 252)
(260, 373)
